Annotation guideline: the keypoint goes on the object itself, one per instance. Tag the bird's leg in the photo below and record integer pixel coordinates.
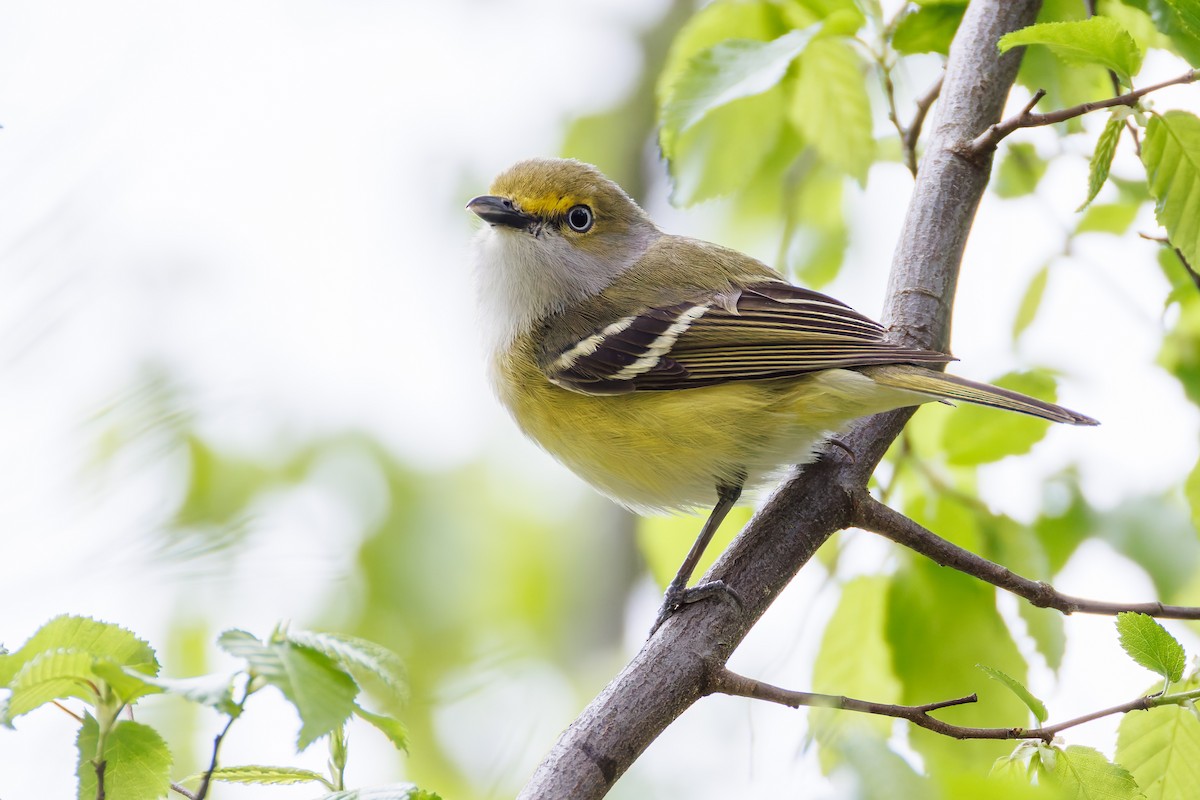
(678, 594)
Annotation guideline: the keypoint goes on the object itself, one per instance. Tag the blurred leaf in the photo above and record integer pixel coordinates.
(1161, 748)
(729, 71)
(978, 435)
(404, 791)
(1192, 491)
(1171, 153)
(1048, 631)
(830, 108)
(1114, 218)
(1180, 353)
(1106, 148)
(665, 541)
(817, 235)
(137, 761)
(97, 639)
(1016, 687)
(879, 773)
(928, 28)
(1169, 17)
(726, 149)
(1031, 301)
(1154, 532)
(1135, 20)
(1085, 773)
(389, 726)
(1148, 643)
(1019, 171)
(853, 660)
(943, 617)
(277, 776)
(1096, 40)
(321, 691)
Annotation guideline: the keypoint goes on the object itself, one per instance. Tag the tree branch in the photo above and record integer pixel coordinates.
(987, 141)
(910, 135)
(727, 682)
(677, 666)
(872, 515)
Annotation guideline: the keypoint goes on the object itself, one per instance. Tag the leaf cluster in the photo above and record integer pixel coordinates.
(109, 669)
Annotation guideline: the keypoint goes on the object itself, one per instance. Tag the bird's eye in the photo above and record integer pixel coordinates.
(580, 219)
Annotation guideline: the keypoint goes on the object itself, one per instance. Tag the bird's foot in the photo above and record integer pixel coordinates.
(677, 596)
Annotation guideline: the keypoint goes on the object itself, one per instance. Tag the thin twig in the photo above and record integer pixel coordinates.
(870, 514)
(68, 711)
(987, 141)
(206, 779)
(909, 136)
(175, 787)
(731, 683)
(1178, 254)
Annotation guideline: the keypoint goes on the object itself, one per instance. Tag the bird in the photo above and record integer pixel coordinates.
(670, 373)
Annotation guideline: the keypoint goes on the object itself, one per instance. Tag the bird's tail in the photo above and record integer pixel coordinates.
(951, 387)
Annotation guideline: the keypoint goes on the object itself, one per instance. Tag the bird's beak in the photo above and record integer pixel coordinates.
(499, 211)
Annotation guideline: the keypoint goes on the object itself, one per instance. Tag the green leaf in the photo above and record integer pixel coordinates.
(854, 659)
(1188, 14)
(817, 235)
(1171, 17)
(928, 29)
(1096, 40)
(83, 634)
(1161, 748)
(934, 610)
(727, 149)
(1016, 687)
(389, 726)
(278, 776)
(715, 23)
(50, 676)
(1031, 301)
(137, 761)
(207, 690)
(1106, 148)
(976, 435)
(1149, 644)
(878, 772)
(830, 107)
(729, 71)
(1048, 631)
(321, 691)
(357, 656)
(1084, 773)
(1114, 218)
(1171, 153)
(1019, 171)
(1191, 489)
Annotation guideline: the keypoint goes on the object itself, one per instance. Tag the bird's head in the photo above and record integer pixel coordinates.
(557, 231)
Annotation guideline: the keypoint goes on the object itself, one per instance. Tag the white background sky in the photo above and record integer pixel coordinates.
(267, 197)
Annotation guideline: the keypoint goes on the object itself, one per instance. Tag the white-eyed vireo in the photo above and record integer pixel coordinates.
(668, 372)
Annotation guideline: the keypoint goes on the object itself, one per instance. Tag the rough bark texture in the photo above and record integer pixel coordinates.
(673, 669)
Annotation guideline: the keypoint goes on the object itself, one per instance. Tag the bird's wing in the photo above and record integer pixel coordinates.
(765, 330)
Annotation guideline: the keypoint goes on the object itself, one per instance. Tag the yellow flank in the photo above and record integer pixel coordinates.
(658, 451)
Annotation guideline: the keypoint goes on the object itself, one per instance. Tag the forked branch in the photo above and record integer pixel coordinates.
(1027, 118)
(727, 682)
(871, 515)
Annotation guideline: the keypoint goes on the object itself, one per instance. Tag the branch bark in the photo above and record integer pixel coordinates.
(872, 515)
(740, 686)
(680, 664)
